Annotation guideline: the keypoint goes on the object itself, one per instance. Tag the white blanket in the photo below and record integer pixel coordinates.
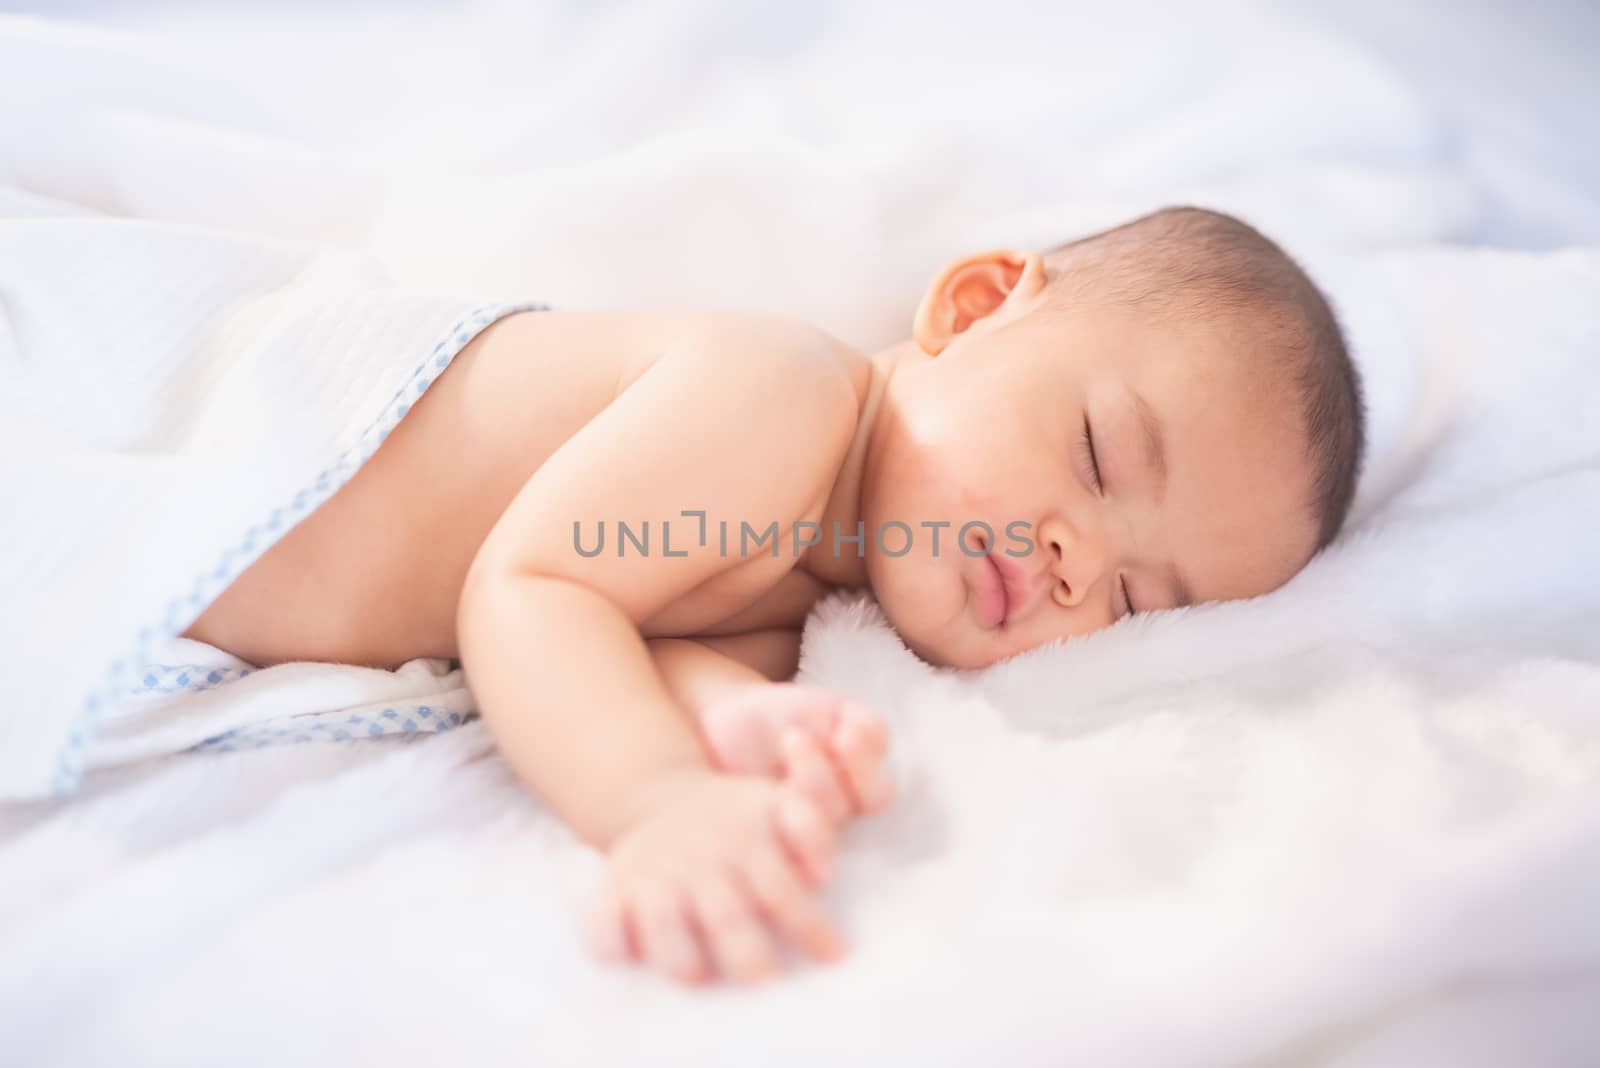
(1354, 823)
(180, 399)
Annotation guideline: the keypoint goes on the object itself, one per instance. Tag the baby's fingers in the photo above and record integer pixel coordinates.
(666, 941)
(735, 936)
(807, 768)
(606, 929)
(790, 905)
(740, 739)
(860, 743)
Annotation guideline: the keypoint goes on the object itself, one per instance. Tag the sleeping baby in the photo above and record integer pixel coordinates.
(618, 522)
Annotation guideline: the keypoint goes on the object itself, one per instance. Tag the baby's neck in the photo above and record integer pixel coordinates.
(844, 508)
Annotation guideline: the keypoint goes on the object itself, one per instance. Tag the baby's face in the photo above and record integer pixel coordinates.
(1123, 464)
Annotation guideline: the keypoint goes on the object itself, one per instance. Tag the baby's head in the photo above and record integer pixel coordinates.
(1161, 414)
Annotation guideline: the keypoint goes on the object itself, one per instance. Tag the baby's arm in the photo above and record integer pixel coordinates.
(549, 638)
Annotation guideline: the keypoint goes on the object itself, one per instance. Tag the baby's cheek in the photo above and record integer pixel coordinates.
(923, 598)
(917, 471)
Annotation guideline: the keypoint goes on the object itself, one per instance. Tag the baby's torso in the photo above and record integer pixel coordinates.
(374, 575)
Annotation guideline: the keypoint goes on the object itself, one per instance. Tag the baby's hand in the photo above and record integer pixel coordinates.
(829, 746)
(720, 870)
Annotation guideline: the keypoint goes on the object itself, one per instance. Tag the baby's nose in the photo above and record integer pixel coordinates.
(1073, 559)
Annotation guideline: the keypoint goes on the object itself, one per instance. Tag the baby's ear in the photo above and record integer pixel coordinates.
(989, 284)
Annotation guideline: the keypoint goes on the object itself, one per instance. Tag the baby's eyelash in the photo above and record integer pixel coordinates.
(1086, 447)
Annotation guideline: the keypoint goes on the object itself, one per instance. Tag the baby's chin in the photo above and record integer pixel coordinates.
(934, 653)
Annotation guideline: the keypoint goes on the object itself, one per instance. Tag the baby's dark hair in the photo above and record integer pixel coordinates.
(1201, 262)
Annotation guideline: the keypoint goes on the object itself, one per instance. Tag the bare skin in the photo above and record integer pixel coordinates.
(643, 696)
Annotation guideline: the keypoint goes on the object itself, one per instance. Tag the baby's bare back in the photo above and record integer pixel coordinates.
(374, 575)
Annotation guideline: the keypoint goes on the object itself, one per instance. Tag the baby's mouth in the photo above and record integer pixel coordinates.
(993, 601)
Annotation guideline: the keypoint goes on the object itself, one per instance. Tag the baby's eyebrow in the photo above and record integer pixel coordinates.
(1155, 453)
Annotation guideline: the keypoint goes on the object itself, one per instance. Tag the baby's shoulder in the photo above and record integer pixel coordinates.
(717, 388)
(744, 350)
(762, 360)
